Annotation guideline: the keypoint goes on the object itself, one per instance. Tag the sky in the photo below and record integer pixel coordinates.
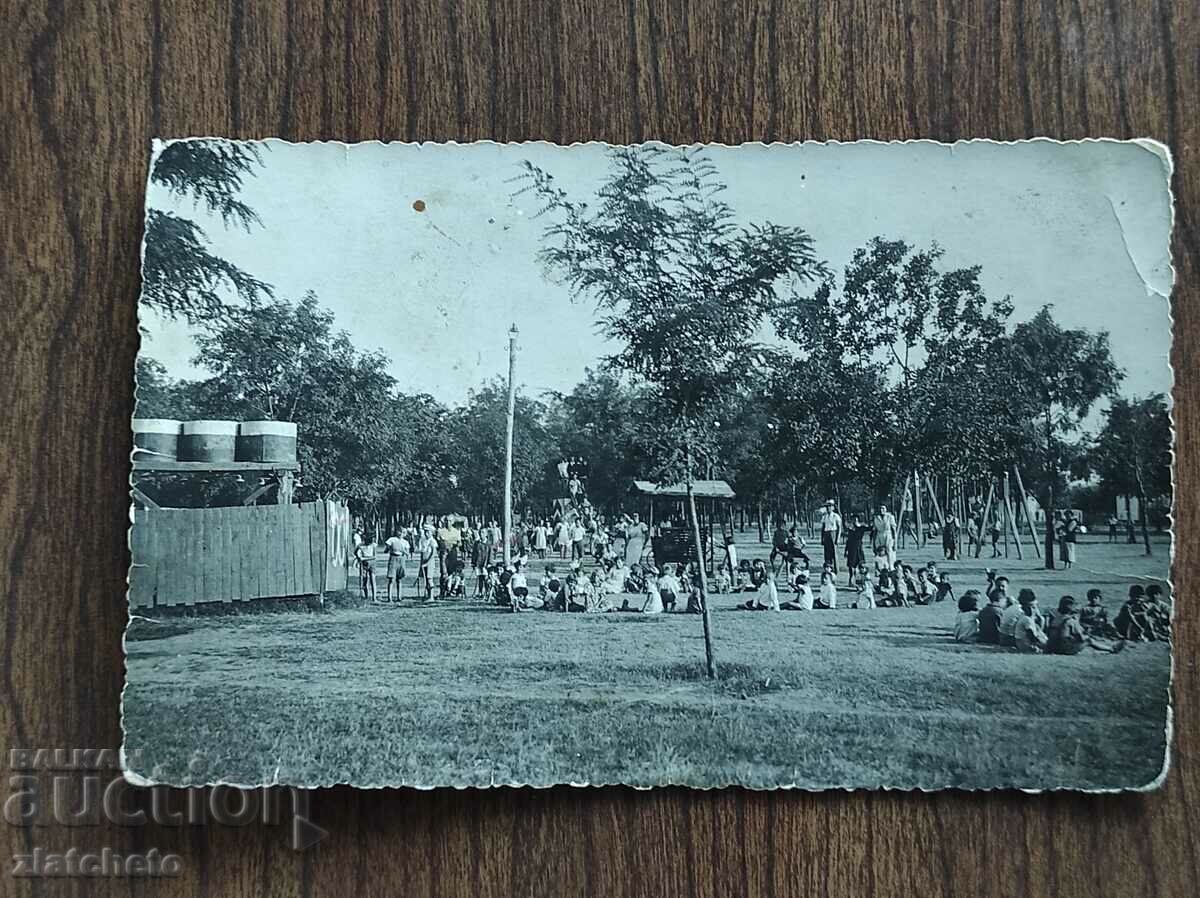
(1082, 226)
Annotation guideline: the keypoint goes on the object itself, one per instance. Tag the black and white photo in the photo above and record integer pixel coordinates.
(808, 466)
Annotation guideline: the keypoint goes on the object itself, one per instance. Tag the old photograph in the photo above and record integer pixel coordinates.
(777, 466)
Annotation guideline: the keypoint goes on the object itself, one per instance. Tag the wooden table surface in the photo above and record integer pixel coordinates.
(84, 86)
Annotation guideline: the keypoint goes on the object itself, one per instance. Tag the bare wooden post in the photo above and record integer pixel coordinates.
(903, 503)
(1010, 524)
(508, 443)
(709, 654)
(983, 524)
(916, 481)
(1025, 509)
(931, 488)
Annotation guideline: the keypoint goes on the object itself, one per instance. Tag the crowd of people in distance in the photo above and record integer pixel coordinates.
(1018, 623)
(618, 553)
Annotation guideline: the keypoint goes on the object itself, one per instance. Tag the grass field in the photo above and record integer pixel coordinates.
(468, 694)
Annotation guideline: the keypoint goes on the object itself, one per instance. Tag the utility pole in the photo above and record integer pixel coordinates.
(508, 442)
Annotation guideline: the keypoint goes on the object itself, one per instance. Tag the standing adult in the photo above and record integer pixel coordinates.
(1070, 535)
(831, 533)
(883, 533)
(427, 555)
(1112, 528)
(397, 549)
(855, 556)
(578, 535)
(635, 545)
(950, 537)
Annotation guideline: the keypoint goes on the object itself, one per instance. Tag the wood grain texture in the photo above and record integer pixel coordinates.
(85, 86)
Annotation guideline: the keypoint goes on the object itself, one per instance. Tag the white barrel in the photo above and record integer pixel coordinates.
(267, 441)
(155, 438)
(213, 441)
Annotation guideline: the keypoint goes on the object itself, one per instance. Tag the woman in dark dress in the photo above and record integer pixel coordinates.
(855, 556)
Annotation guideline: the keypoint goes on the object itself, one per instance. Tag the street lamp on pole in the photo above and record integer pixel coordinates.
(508, 442)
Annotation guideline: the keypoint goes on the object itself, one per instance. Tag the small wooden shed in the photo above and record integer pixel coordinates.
(667, 517)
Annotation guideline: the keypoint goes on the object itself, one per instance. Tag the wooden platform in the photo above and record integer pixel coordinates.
(210, 467)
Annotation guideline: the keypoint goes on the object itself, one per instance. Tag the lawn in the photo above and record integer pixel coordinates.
(467, 694)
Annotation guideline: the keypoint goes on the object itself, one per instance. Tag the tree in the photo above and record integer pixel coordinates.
(477, 433)
(1062, 373)
(915, 351)
(180, 276)
(160, 396)
(678, 284)
(602, 420)
(286, 362)
(1132, 452)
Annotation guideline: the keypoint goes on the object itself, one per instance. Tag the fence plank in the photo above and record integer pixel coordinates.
(139, 572)
(317, 530)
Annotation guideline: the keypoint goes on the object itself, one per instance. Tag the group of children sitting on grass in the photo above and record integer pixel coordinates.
(896, 585)
(1020, 624)
(668, 588)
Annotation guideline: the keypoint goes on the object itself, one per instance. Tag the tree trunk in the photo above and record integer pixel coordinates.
(1050, 476)
(709, 655)
(1141, 490)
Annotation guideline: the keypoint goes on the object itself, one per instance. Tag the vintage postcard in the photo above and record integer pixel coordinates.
(807, 466)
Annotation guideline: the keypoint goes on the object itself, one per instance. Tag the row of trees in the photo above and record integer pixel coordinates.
(740, 355)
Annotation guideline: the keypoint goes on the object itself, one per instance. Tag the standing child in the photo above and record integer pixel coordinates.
(364, 553)
(729, 565)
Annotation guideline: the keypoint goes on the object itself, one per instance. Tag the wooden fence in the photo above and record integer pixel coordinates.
(187, 556)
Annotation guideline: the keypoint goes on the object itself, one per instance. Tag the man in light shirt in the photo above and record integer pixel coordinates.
(397, 550)
(831, 532)
(883, 533)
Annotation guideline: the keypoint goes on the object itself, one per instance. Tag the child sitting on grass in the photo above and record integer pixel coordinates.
(1093, 617)
(998, 586)
(1133, 620)
(989, 620)
(966, 624)
(881, 561)
(1012, 616)
(828, 595)
(552, 590)
(1158, 611)
(1066, 636)
(924, 589)
(866, 590)
(767, 597)
(945, 590)
(595, 594)
(1028, 635)
(803, 600)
